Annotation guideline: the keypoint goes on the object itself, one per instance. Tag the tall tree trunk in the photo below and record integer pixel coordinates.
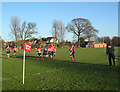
(78, 40)
(22, 45)
(88, 39)
(22, 41)
(16, 39)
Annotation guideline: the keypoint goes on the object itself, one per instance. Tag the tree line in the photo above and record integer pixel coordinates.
(115, 40)
(22, 32)
(80, 27)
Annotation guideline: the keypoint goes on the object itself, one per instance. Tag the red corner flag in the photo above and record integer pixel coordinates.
(27, 47)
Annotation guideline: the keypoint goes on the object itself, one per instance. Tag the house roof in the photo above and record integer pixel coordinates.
(48, 38)
(11, 42)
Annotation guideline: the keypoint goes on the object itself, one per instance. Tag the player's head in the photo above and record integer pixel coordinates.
(40, 46)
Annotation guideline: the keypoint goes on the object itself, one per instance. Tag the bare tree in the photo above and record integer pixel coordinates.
(107, 39)
(116, 40)
(55, 29)
(15, 27)
(90, 32)
(78, 26)
(59, 30)
(22, 32)
(27, 30)
(0, 42)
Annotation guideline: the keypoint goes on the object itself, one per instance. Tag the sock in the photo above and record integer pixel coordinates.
(71, 58)
(47, 57)
(75, 58)
(42, 57)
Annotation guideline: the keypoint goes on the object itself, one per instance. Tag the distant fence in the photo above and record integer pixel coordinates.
(100, 45)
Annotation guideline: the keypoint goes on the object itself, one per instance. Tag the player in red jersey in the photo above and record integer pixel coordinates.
(72, 52)
(49, 48)
(39, 50)
(15, 49)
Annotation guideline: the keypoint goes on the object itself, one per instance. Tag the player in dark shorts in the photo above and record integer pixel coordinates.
(49, 51)
(15, 49)
(72, 52)
(8, 51)
(39, 50)
(45, 53)
(52, 51)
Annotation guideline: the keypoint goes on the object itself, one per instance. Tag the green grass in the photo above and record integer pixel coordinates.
(90, 72)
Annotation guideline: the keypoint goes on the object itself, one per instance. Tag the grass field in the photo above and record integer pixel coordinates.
(90, 72)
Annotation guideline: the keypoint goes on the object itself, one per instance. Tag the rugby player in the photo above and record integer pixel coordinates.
(39, 50)
(54, 50)
(72, 52)
(15, 49)
(49, 51)
(45, 53)
(8, 51)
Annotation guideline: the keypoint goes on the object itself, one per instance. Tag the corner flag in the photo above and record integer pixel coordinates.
(27, 47)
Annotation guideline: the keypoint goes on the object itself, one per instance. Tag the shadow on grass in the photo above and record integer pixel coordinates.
(62, 62)
(117, 57)
(32, 57)
(4, 54)
(71, 66)
(75, 66)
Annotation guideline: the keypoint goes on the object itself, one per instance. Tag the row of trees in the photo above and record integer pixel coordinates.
(22, 32)
(80, 27)
(115, 40)
(58, 30)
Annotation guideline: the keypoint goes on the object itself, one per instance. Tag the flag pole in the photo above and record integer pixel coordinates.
(23, 66)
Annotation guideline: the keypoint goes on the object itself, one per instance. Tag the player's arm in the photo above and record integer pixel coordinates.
(107, 49)
(113, 49)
